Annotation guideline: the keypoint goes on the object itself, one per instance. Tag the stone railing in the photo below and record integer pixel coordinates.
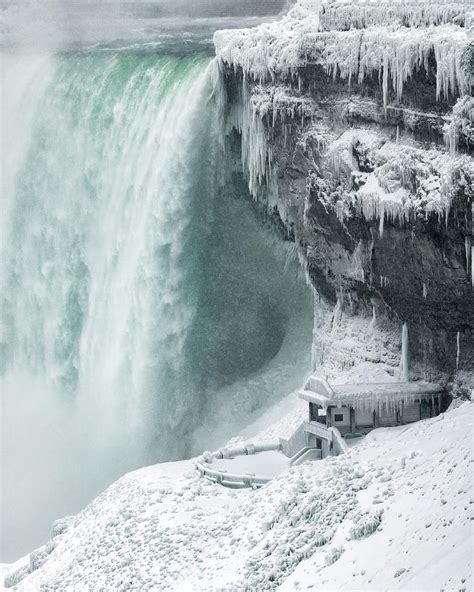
(305, 455)
(338, 443)
(319, 430)
(237, 481)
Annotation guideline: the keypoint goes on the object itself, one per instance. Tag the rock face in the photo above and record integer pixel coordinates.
(356, 137)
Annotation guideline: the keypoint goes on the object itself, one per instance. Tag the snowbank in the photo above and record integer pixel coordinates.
(392, 512)
(424, 539)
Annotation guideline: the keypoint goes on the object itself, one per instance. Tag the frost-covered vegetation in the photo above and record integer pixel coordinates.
(383, 508)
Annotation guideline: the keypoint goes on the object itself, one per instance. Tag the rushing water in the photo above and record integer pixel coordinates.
(146, 312)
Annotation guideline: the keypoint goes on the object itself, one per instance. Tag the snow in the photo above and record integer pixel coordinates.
(391, 513)
(264, 464)
(365, 372)
(424, 541)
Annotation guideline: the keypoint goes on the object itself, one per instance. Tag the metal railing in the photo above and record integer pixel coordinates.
(234, 480)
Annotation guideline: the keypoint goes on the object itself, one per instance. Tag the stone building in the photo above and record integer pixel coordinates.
(356, 409)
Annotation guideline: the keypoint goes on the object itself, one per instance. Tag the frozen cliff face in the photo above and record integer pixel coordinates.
(353, 126)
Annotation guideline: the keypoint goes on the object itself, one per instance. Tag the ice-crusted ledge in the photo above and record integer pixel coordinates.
(384, 178)
(348, 14)
(281, 49)
(395, 54)
(400, 180)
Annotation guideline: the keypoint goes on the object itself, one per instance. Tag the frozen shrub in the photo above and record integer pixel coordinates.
(365, 524)
(334, 555)
(460, 391)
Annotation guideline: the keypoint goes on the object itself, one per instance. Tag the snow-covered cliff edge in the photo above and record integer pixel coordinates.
(353, 124)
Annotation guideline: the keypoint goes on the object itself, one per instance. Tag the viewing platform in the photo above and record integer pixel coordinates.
(356, 409)
(336, 413)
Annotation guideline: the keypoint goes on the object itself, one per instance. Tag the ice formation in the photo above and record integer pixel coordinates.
(458, 348)
(359, 14)
(256, 152)
(273, 48)
(405, 360)
(460, 125)
(374, 320)
(406, 179)
(393, 53)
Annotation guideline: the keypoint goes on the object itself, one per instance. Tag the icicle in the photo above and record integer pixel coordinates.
(337, 315)
(373, 321)
(467, 245)
(458, 350)
(398, 135)
(404, 362)
(425, 291)
(351, 303)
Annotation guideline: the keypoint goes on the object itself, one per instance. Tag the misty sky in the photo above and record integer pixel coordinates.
(65, 23)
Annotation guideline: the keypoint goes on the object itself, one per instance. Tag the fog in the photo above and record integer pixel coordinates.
(53, 24)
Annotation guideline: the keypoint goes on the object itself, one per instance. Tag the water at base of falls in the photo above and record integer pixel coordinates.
(146, 313)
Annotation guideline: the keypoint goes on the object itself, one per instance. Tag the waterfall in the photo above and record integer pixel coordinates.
(97, 250)
(146, 314)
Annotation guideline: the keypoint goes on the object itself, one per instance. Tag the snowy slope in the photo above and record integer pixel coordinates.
(391, 514)
(423, 484)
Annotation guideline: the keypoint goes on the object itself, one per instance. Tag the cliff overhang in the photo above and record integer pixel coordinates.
(355, 132)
